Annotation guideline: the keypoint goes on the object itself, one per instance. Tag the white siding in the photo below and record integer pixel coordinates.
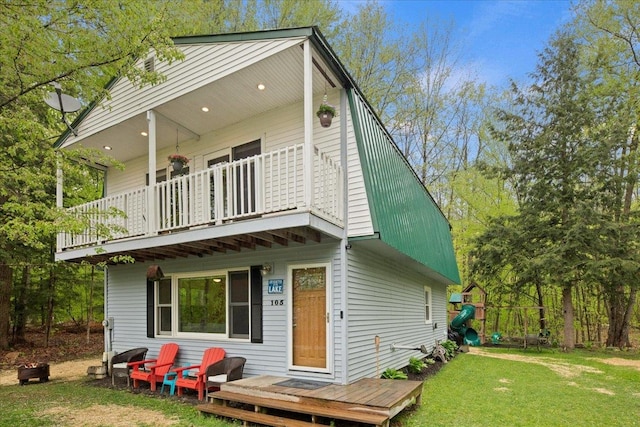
(204, 63)
(279, 128)
(387, 300)
(359, 215)
(126, 303)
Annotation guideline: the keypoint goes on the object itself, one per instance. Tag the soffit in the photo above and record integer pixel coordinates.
(231, 98)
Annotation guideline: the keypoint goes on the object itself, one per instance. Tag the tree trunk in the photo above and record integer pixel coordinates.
(50, 306)
(567, 308)
(6, 283)
(543, 322)
(21, 306)
(619, 318)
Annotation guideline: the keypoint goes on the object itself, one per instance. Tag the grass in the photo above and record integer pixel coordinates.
(73, 403)
(549, 389)
(559, 389)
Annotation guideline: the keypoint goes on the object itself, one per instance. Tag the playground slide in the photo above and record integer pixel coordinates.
(458, 324)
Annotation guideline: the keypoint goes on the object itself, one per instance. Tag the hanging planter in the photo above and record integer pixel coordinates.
(178, 161)
(326, 113)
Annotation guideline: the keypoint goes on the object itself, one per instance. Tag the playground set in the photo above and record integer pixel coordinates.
(471, 304)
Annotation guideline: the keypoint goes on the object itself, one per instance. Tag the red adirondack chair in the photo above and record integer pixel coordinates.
(156, 368)
(210, 356)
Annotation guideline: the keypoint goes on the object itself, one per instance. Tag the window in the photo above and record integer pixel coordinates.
(215, 303)
(164, 307)
(239, 304)
(427, 304)
(202, 304)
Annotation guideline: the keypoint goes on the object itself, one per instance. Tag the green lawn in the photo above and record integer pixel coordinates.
(557, 389)
(547, 388)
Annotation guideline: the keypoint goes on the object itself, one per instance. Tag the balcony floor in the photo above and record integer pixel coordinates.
(298, 228)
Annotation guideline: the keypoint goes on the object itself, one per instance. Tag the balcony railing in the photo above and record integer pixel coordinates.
(268, 183)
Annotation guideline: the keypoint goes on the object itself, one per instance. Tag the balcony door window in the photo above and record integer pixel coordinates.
(245, 177)
(217, 190)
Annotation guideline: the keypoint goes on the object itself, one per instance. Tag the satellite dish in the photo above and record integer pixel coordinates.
(63, 103)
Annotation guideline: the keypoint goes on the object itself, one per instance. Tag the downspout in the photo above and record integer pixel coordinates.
(344, 313)
(108, 336)
(151, 211)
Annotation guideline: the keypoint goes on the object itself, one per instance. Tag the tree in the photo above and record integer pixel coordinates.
(611, 38)
(379, 56)
(80, 46)
(551, 157)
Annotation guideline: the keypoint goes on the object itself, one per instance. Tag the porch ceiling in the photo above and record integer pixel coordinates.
(230, 100)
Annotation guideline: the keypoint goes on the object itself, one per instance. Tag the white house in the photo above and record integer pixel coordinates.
(312, 251)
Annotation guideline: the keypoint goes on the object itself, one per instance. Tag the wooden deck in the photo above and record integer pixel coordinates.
(277, 402)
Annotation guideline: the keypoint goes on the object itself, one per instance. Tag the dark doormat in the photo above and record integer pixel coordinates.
(303, 384)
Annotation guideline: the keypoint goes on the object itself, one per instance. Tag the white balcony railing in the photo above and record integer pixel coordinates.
(268, 183)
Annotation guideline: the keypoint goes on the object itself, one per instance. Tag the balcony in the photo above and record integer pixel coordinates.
(265, 185)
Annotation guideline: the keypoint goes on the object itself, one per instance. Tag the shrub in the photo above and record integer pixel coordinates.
(450, 347)
(394, 374)
(416, 365)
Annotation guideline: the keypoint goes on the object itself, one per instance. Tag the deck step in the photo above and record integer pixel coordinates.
(254, 417)
(326, 409)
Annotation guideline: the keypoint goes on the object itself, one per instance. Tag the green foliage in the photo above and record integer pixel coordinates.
(394, 374)
(576, 227)
(326, 108)
(450, 348)
(416, 365)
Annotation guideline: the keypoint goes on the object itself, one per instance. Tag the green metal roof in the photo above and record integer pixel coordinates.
(403, 212)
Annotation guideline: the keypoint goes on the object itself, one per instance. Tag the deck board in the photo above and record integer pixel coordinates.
(365, 396)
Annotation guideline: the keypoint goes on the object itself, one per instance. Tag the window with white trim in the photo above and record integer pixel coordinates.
(427, 304)
(215, 303)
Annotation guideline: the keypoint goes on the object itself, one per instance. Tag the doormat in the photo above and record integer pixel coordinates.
(303, 384)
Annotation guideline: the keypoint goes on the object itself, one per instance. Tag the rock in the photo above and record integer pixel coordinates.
(96, 372)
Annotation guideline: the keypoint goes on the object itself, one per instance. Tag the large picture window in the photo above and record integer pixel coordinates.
(202, 304)
(213, 303)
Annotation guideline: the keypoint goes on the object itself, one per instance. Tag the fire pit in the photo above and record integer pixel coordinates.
(33, 370)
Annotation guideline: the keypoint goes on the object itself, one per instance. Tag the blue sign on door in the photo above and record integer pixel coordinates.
(276, 286)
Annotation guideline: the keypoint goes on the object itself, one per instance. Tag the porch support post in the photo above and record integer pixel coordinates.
(307, 162)
(59, 193)
(151, 209)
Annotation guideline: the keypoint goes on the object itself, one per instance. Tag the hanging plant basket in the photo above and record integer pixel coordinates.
(177, 165)
(178, 161)
(326, 113)
(325, 119)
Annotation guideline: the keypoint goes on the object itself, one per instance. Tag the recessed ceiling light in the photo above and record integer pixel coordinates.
(261, 86)
(143, 133)
(205, 109)
(107, 147)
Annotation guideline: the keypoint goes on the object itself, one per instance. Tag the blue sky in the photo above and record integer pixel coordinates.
(500, 38)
